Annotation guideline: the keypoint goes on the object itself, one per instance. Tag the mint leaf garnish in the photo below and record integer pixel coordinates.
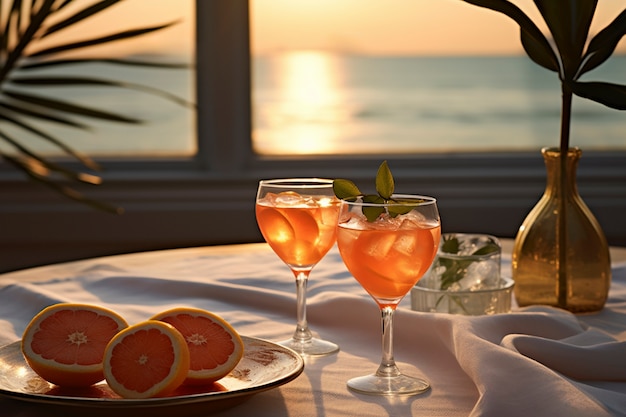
(486, 250)
(450, 245)
(384, 181)
(372, 212)
(456, 269)
(347, 190)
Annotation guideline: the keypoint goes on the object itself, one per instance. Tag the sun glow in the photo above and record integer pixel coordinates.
(307, 92)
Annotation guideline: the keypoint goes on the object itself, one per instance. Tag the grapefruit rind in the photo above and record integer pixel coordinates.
(205, 376)
(68, 375)
(177, 372)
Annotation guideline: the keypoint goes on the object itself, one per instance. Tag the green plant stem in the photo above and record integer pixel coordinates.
(561, 232)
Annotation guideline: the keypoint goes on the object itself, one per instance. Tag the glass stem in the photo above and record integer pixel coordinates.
(302, 333)
(387, 366)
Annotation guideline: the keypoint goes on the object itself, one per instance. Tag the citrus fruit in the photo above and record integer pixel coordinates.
(148, 359)
(64, 343)
(215, 347)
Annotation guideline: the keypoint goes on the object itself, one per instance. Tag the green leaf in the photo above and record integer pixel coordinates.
(450, 245)
(538, 52)
(373, 199)
(113, 61)
(486, 250)
(569, 22)
(98, 41)
(70, 108)
(345, 189)
(406, 207)
(604, 43)
(79, 81)
(373, 212)
(395, 211)
(43, 115)
(65, 81)
(611, 95)
(455, 271)
(384, 181)
(534, 42)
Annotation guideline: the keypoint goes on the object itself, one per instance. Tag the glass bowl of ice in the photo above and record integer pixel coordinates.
(465, 278)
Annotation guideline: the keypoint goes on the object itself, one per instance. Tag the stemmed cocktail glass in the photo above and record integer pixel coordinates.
(387, 256)
(298, 219)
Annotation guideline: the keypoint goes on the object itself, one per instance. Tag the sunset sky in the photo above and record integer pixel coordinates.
(386, 27)
(132, 14)
(395, 27)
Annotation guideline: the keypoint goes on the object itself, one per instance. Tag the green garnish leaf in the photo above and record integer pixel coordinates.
(395, 211)
(450, 245)
(346, 189)
(384, 181)
(456, 269)
(398, 210)
(374, 199)
(486, 250)
(373, 212)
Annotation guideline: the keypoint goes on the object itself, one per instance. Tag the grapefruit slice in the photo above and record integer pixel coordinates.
(149, 359)
(214, 345)
(64, 343)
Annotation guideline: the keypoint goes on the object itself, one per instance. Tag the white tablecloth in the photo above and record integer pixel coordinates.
(534, 362)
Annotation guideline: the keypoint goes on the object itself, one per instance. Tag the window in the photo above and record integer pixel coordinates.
(209, 198)
(427, 77)
(141, 92)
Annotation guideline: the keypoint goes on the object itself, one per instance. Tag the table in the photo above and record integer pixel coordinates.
(569, 365)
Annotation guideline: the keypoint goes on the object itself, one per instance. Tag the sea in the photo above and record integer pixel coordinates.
(325, 103)
(312, 102)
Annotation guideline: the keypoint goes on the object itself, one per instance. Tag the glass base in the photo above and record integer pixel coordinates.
(311, 347)
(388, 385)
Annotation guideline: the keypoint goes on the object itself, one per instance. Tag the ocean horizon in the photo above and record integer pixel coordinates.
(329, 103)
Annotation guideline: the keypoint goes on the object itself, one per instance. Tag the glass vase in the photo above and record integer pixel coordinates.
(561, 256)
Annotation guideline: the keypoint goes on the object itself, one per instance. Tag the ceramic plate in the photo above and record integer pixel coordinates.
(265, 365)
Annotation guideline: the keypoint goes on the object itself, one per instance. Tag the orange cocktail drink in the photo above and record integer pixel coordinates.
(387, 256)
(388, 243)
(300, 229)
(298, 219)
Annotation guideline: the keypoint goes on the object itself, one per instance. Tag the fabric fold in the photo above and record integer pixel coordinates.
(598, 362)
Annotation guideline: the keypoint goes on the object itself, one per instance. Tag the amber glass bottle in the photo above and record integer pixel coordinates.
(561, 256)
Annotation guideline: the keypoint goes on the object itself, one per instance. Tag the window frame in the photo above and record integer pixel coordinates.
(181, 202)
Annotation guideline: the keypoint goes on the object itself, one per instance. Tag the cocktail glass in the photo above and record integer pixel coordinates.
(298, 219)
(387, 257)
